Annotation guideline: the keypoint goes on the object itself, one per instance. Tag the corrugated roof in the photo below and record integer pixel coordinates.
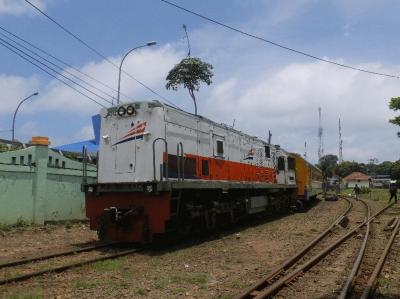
(355, 176)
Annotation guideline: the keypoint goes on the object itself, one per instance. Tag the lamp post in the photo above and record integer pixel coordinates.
(16, 110)
(148, 44)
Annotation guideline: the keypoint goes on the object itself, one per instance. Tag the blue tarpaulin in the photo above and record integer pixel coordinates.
(91, 145)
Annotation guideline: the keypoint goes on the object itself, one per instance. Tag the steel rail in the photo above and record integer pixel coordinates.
(53, 255)
(356, 266)
(371, 285)
(265, 281)
(68, 266)
(276, 286)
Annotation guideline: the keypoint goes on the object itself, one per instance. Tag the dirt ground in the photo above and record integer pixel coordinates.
(216, 267)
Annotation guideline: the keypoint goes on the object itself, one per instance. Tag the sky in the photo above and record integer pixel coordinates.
(257, 85)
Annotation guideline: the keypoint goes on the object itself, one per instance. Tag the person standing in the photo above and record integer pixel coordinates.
(357, 192)
(393, 191)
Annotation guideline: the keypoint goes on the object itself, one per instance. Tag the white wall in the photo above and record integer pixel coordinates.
(351, 184)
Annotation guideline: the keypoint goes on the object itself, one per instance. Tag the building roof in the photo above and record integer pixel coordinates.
(357, 176)
(91, 145)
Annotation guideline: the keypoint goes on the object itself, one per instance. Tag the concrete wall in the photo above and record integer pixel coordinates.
(38, 184)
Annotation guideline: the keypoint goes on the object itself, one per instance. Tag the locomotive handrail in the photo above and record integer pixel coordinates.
(154, 159)
(180, 161)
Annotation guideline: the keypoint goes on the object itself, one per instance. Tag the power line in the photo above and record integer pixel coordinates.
(50, 74)
(277, 44)
(53, 70)
(57, 66)
(96, 51)
(58, 59)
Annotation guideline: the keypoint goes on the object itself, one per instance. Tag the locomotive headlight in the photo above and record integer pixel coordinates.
(121, 111)
(130, 110)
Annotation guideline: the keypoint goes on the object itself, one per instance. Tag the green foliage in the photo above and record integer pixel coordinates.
(190, 72)
(5, 227)
(347, 167)
(3, 148)
(365, 190)
(394, 104)
(22, 223)
(385, 168)
(328, 164)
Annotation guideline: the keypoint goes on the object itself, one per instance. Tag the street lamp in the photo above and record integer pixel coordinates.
(16, 110)
(148, 44)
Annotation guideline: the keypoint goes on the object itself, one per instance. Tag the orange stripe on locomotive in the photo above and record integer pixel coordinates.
(199, 167)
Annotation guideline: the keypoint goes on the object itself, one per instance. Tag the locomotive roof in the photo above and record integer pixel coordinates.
(155, 103)
(221, 125)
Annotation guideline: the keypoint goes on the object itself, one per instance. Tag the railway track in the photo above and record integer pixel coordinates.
(362, 280)
(30, 263)
(290, 271)
(280, 270)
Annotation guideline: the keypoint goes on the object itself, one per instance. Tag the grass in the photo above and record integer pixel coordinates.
(20, 223)
(160, 283)
(33, 295)
(375, 194)
(140, 291)
(107, 265)
(84, 285)
(5, 227)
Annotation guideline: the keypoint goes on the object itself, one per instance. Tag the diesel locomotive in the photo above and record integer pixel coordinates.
(164, 171)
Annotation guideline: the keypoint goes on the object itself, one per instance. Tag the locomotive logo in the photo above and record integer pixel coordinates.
(134, 133)
(250, 154)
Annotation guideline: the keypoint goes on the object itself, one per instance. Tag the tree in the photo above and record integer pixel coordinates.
(395, 171)
(347, 167)
(395, 105)
(328, 164)
(190, 72)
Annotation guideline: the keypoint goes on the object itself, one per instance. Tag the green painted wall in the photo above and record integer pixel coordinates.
(38, 184)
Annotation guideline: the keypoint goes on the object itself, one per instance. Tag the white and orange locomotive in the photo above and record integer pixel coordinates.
(162, 170)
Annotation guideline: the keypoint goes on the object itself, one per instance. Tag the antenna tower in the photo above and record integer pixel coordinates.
(305, 150)
(340, 143)
(320, 133)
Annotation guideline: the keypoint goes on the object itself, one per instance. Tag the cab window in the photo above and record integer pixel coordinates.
(281, 163)
(220, 148)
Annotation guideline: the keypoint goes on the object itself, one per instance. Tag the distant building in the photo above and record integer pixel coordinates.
(381, 181)
(362, 180)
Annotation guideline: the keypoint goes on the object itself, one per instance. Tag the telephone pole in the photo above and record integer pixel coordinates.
(320, 134)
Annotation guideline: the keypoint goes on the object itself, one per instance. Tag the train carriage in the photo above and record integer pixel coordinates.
(309, 179)
(162, 170)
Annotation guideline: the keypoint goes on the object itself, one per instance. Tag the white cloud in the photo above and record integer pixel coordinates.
(18, 7)
(287, 103)
(148, 66)
(14, 89)
(86, 133)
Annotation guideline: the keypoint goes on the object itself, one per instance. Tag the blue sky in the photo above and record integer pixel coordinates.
(260, 86)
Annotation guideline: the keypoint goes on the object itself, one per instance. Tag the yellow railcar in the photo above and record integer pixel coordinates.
(308, 179)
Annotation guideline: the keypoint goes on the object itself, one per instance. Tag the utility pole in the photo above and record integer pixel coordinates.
(340, 143)
(320, 133)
